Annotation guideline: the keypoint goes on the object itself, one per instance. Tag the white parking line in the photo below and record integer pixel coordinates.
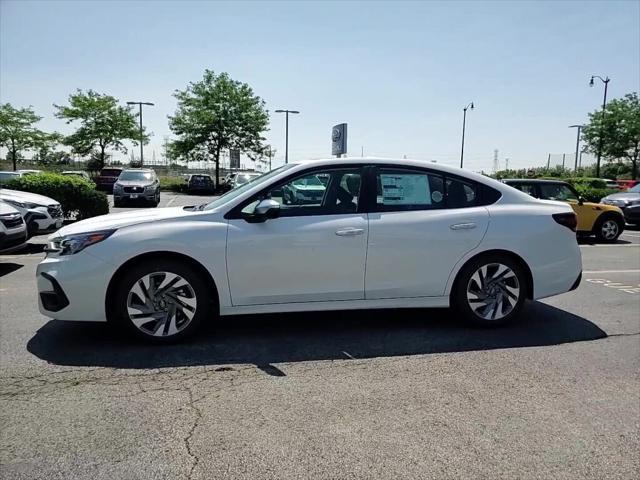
(589, 272)
(612, 246)
(173, 199)
(634, 235)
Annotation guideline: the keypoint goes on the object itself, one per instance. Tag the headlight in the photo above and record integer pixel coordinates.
(149, 188)
(18, 204)
(70, 244)
(117, 186)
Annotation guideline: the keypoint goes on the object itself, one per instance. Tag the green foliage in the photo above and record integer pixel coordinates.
(77, 197)
(591, 193)
(618, 131)
(103, 124)
(173, 184)
(217, 113)
(18, 131)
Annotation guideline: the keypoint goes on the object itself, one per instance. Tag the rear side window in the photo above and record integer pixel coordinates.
(401, 190)
(461, 194)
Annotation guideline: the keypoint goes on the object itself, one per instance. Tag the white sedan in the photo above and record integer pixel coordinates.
(384, 234)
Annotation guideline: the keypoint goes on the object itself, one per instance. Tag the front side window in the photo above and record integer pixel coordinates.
(318, 193)
(557, 191)
(399, 190)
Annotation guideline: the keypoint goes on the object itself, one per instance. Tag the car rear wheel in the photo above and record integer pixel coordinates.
(490, 290)
(161, 301)
(608, 228)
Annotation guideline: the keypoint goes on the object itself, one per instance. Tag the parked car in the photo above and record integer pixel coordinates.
(13, 230)
(228, 182)
(242, 178)
(41, 214)
(6, 177)
(136, 184)
(604, 221)
(28, 171)
(627, 184)
(628, 202)
(200, 183)
(107, 177)
(303, 190)
(78, 173)
(408, 234)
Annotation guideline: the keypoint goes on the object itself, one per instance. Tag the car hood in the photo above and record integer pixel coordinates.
(135, 183)
(623, 196)
(6, 209)
(119, 220)
(26, 197)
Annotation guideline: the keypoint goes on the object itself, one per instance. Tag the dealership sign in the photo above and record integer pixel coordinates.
(339, 139)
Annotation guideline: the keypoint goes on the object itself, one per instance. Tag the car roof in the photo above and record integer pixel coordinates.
(532, 180)
(138, 170)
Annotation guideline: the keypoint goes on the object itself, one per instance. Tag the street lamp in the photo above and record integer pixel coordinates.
(579, 127)
(464, 124)
(286, 144)
(140, 104)
(604, 104)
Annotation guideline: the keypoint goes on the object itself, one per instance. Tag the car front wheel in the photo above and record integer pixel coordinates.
(608, 229)
(490, 290)
(161, 301)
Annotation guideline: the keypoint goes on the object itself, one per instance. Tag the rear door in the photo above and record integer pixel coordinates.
(420, 226)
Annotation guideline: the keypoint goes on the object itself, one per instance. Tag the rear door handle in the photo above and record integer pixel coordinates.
(462, 226)
(349, 232)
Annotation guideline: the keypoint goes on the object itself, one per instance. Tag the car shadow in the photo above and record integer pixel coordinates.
(6, 268)
(264, 340)
(594, 241)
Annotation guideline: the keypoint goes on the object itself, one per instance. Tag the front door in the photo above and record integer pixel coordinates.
(315, 251)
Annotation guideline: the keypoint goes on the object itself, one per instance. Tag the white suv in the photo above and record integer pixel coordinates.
(13, 230)
(41, 214)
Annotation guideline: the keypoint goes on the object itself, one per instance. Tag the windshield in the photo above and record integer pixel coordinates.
(110, 172)
(128, 175)
(236, 192)
(557, 191)
(307, 182)
(635, 189)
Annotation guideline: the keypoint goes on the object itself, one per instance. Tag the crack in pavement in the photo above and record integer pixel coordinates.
(187, 440)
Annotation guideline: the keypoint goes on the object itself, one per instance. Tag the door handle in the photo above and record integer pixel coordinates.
(462, 226)
(349, 232)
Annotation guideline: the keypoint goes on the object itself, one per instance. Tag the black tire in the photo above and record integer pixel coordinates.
(117, 203)
(156, 200)
(506, 311)
(197, 290)
(605, 226)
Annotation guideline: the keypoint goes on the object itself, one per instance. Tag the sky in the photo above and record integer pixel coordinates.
(398, 73)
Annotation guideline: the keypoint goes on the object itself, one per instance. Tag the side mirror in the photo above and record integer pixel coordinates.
(581, 200)
(265, 210)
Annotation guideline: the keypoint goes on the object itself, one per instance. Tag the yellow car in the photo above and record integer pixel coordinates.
(606, 222)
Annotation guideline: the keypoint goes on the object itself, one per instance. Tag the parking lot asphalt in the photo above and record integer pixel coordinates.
(371, 394)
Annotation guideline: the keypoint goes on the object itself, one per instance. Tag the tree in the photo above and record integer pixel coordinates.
(620, 131)
(17, 130)
(45, 147)
(104, 124)
(217, 113)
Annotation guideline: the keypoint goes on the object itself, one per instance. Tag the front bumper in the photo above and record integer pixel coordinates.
(134, 197)
(39, 222)
(73, 287)
(632, 214)
(12, 241)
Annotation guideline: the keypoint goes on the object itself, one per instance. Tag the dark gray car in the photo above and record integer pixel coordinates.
(628, 202)
(136, 185)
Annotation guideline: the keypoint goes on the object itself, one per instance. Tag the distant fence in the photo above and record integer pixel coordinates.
(568, 160)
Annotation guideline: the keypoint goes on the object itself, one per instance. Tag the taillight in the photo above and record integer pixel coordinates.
(568, 220)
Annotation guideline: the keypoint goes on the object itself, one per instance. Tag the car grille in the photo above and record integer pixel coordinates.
(11, 222)
(55, 211)
(133, 189)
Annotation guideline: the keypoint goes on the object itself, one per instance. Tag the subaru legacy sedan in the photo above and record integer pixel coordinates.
(383, 234)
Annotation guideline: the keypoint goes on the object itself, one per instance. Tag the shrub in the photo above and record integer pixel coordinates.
(78, 198)
(174, 184)
(593, 194)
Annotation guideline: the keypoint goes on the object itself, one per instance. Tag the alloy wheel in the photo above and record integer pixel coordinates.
(609, 229)
(161, 304)
(493, 291)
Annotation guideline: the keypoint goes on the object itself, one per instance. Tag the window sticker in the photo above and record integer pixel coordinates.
(398, 189)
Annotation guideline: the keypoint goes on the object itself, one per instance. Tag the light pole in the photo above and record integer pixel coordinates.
(286, 144)
(140, 104)
(579, 127)
(464, 124)
(604, 104)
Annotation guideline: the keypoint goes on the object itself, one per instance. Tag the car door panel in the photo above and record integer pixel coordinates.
(411, 254)
(297, 259)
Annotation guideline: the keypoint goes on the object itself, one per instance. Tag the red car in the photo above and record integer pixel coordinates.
(627, 184)
(107, 177)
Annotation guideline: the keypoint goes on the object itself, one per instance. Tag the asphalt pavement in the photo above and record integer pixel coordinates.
(372, 394)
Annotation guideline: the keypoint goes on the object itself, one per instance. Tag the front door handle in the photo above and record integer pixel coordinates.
(462, 226)
(349, 232)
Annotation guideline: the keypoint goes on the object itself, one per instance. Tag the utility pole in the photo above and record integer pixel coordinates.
(141, 135)
(548, 161)
(270, 153)
(604, 106)
(362, 151)
(563, 155)
(506, 164)
(579, 127)
(495, 160)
